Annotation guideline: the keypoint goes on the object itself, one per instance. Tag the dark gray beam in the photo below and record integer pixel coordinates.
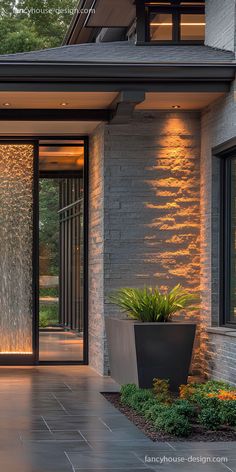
(123, 106)
(116, 86)
(29, 114)
(103, 72)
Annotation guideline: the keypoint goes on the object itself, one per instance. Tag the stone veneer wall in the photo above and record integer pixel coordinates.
(96, 250)
(150, 199)
(221, 24)
(219, 344)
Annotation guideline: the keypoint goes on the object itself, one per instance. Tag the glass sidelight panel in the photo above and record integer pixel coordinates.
(61, 252)
(16, 247)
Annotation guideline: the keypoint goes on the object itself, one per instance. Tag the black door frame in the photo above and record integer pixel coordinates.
(24, 359)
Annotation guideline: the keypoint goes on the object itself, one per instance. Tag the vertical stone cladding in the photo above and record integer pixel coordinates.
(221, 24)
(152, 205)
(96, 250)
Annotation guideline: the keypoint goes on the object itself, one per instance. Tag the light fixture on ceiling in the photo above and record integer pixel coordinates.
(6, 104)
(176, 107)
(64, 104)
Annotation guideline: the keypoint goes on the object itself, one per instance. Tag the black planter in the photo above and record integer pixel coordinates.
(139, 352)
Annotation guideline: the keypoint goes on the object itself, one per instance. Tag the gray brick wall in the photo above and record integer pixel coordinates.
(151, 211)
(218, 126)
(221, 24)
(221, 356)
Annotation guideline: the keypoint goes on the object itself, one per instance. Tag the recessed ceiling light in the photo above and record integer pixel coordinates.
(176, 106)
(64, 104)
(6, 104)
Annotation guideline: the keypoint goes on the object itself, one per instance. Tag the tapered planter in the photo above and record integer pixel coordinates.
(139, 352)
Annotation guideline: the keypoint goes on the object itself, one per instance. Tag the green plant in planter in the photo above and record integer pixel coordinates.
(150, 304)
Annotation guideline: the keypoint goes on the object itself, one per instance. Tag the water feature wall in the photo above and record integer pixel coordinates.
(16, 241)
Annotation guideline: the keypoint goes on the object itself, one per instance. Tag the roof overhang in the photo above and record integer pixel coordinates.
(99, 14)
(55, 76)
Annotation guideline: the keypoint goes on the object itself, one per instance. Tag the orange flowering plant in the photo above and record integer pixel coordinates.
(224, 395)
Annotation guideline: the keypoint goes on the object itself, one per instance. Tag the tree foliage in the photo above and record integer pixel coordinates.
(49, 226)
(27, 25)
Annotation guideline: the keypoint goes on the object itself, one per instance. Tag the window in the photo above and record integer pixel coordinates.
(174, 22)
(229, 240)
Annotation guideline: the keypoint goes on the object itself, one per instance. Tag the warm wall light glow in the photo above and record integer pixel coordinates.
(16, 352)
(182, 24)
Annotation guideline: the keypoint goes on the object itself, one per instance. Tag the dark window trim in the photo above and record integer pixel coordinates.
(143, 12)
(225, 152)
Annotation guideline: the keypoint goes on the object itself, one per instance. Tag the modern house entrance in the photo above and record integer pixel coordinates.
(43, 251)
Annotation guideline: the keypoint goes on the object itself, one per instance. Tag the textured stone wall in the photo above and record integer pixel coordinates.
(218, 126)
(96, 249)
(221, 24)
(151, 211)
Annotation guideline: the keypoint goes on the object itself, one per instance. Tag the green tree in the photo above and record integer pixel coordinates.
(49, 226)
(27, 25)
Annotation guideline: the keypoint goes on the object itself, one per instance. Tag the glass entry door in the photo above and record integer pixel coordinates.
(61, 252)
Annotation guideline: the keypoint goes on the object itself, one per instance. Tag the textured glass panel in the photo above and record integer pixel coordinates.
(16, 238)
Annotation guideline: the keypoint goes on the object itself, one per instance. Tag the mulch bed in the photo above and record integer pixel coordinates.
(198, 434)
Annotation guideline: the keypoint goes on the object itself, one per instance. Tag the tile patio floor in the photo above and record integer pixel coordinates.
(53, 419)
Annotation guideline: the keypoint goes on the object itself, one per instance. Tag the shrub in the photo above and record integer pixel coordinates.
(187, 392)
(214, 386)
(151, 305)
(148, 404)
(184, 407)
(138, 399)
(170, 421)
(135, 397)
(210, 418)
(227, 412)
(154, 411)
(126, 392)
(161, 390)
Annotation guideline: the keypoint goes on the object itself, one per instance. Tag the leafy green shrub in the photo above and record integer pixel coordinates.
(135, 397)
(161, 390)
(151, 305)
(184, 407)
(126, 392)
(214, 386)
(170, 421)
(210, 418)
(154, 411)
(208, 402)
(148, 404)
(137, 400)
(227, 412)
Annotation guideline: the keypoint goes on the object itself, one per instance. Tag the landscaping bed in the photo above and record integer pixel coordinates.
(201, 412)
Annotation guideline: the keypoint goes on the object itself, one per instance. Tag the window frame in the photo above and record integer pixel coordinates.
(225, 239)
(144, 11)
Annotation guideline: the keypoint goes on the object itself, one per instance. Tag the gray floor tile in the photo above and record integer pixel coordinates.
(105, 459)
(140, 469)
(71, 423)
